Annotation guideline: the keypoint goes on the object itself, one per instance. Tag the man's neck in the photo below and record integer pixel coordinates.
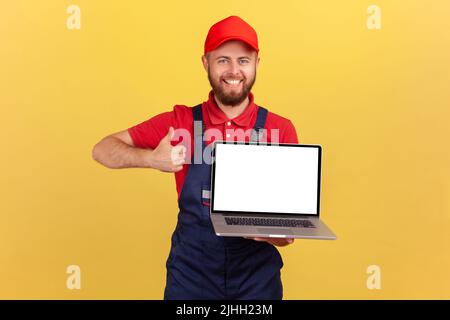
(232, 111)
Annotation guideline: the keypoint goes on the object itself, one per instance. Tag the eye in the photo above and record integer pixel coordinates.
(243, 61)
(222, 60)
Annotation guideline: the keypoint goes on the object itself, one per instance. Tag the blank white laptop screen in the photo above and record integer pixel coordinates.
(264, 178)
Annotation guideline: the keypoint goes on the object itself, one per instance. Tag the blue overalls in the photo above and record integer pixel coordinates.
(202, 265)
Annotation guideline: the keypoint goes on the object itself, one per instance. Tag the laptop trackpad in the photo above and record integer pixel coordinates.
(274, 231)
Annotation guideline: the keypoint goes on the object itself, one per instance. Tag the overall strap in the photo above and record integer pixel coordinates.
(257, 132)
(199, 127)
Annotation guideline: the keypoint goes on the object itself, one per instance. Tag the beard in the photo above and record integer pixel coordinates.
(231, 97)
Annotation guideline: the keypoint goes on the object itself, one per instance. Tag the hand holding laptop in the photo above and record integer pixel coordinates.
(279, 242)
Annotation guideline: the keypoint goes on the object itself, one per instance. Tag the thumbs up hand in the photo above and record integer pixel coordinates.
(167, 158)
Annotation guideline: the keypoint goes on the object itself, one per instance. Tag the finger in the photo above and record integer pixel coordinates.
(174, 154)
(181, 147)
(179, 162)
(177, 158)
(276, 242)
(170, 134)
(179, 151)
(283, 242)
(259, 239)
(177, 168)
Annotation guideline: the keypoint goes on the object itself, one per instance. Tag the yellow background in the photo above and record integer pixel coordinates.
(377, 100)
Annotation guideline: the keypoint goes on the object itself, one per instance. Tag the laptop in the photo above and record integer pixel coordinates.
(267, 190)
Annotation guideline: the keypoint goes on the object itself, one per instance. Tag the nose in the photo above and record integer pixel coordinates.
(234, 68)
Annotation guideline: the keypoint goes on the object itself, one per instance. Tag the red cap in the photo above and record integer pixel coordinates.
(231, 28)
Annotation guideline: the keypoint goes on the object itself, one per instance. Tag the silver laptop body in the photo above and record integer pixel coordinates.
(267, 190)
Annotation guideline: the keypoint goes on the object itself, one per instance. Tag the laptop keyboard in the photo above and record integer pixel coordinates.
(269, 222)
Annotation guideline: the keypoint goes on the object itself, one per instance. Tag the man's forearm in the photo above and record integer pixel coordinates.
(116, 154)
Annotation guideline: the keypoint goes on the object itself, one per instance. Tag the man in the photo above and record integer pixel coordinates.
(202, 265)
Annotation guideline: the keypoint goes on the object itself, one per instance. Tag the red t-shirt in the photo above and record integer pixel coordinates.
(149, 133)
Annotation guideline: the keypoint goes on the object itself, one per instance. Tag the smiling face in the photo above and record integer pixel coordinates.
(231, 71)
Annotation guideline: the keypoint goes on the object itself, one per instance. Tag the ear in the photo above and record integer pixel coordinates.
(257, 61)
(205, 63)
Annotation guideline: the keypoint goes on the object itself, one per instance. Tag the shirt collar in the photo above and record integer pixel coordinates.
(217, 116)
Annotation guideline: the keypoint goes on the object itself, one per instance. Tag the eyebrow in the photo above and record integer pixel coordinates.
(243, 57)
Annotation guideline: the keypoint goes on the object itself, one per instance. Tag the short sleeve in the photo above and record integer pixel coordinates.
(149, 133)
(289, 134)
